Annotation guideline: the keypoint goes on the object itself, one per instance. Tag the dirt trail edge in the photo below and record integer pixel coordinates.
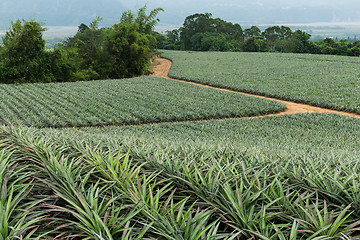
(161, 68)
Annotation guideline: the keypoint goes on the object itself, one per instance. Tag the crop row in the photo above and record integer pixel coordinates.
(72, 190)
(125, 101)
(297, 136)
(325, 81)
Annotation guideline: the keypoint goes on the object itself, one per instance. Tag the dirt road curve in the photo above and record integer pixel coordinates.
(161, 68)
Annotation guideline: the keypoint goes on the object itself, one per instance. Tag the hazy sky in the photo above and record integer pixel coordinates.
(254, 12)
(239, 3)
(245, 12)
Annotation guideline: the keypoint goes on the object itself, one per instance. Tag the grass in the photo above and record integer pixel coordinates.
(325, 81)
(122, 102)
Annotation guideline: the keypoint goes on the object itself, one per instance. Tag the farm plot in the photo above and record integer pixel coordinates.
(325, 81)
(121, 102)
(144, 194)
(300, 135)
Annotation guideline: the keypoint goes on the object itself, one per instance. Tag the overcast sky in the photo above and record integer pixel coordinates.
(256, 11)
(245, 12)
(237, 3)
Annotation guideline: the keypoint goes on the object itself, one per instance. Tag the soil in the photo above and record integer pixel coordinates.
(161, 68)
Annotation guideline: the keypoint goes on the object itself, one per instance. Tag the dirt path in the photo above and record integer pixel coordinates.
(161, 68)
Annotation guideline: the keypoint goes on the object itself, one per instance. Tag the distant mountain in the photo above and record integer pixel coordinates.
(60, 12)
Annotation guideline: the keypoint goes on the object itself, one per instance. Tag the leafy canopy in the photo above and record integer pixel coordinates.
(122, 50)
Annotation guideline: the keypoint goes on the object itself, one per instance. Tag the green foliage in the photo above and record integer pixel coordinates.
(87, 53)
(145, 23)
(342, 47)
(193, 24)
(172, 41)
(300, 42)
(97, 192)
(127, 101)
(321, 136)
(129, 51)
(160, 40)
(326, 81)
(253, 31)
(255, 44)
(23, 56)
(275, 35)
(213, 42)
(201, 32)
(83, 27)
(200, 28)
(19, 218)
(122, 50)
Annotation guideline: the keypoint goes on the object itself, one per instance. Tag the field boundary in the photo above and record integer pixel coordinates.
(161, 68)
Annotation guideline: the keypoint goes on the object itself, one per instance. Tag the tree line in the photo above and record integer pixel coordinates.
(122, 50)
(201, 32)
(125, 48)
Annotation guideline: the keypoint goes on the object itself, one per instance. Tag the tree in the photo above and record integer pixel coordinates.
(276, 35)
(23, 57)
(94, 25)
(272, 34)
(285, 33)
(202, 25)
(342, 47)
(299, 42)
(122, 50)
(161, 41)
(129, 51)
(217, 42)
(145, 23)
(24, 41)
(172, 40)
(86, 52)
(355, 49)
(255, 44)
(253, 31)
(193, 24)
(233, 31)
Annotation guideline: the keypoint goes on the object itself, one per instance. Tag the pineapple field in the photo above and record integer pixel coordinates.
(122, 102)
(320, 80)
(156, 158)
